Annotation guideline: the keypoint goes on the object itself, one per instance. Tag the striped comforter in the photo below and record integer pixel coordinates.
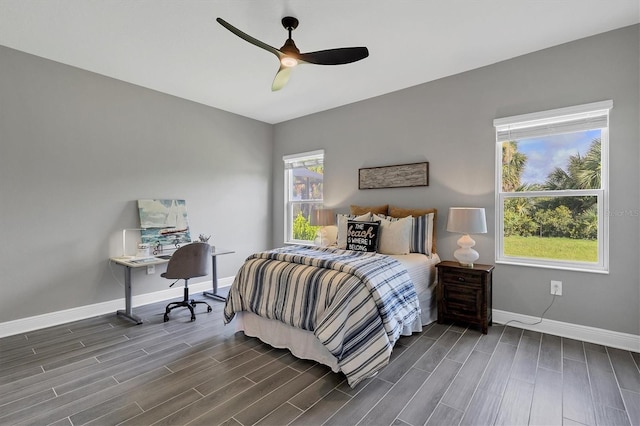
(357, 304)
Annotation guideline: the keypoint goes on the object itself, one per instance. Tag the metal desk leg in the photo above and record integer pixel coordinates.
(214, 295)
(128, 311)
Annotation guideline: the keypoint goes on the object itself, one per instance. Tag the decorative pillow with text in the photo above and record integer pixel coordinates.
(342, 220)
(362, 236)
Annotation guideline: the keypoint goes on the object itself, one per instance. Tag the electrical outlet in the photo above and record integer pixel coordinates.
(151, 269)
(556, 288)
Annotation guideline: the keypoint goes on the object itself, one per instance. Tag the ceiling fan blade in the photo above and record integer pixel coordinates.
(282, 76)
(344, 55)
(248, 38)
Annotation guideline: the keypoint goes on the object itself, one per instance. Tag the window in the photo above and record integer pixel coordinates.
(552, 188)
(303, 182)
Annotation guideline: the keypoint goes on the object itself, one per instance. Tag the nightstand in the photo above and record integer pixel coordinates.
(464, 293)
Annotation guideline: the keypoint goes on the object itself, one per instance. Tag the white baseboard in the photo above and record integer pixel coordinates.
(614, 339)
(599, 336)
(37, 322)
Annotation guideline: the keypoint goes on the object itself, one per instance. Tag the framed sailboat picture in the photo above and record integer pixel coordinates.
(164, 222)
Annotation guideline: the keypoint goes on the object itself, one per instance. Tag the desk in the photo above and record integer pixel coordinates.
(134, 263)
(129, 265)
(214, 273)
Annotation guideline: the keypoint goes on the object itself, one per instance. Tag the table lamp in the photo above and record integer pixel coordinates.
(124, 243)
(322, 218)
(466, 220)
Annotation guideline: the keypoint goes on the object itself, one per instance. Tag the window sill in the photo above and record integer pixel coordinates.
(299, 243)
(574, 268)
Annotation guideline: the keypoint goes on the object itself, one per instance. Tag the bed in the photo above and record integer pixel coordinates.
(338, 306)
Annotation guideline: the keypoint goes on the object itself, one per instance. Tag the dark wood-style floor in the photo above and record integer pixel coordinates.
(105, 370)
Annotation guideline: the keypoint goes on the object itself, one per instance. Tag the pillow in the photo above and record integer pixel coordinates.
(422, 240)
(330, 236)
(342, 227)
(358, 210)
(362, 236)
(400, 212)
(395, 235)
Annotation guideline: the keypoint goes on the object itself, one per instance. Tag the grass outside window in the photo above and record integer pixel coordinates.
(555, 248)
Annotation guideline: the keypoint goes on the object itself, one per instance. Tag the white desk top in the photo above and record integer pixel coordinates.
(138, 262)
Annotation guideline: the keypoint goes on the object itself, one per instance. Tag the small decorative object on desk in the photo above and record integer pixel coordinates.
(204, 238)
(143, 250)
(157, 248)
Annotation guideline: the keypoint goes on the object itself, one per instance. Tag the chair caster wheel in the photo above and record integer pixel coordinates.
(166, 317)
(209, 309)
(193, 318)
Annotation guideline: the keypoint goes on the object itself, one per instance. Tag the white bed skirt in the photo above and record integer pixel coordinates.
(303, 344)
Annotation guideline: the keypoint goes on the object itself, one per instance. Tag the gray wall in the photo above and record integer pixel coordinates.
(78, 149)
(449, 123)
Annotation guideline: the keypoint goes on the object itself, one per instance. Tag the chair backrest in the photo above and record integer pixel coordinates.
(192, 260)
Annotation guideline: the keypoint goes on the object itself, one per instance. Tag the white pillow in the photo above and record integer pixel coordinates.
(395, 235)
(330, 236)
(342, 226)
(421, 233)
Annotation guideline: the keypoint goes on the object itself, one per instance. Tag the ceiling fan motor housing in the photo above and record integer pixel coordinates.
(290, 47)
(290, 23)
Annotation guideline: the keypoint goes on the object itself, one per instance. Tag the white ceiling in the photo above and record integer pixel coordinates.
(177, 47)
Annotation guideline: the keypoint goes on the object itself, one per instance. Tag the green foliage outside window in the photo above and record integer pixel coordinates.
(302, 230)
(566, 217)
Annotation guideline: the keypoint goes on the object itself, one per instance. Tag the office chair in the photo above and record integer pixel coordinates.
(189, 261)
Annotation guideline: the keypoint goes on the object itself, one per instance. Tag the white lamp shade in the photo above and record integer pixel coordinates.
(467, 220)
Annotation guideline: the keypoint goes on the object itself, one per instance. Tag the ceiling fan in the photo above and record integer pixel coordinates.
(289, 55)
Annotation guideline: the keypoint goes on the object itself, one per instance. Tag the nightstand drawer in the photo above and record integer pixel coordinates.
(458, 276)
(462, 300)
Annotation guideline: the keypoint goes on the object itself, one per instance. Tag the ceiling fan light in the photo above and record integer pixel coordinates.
(288, 61)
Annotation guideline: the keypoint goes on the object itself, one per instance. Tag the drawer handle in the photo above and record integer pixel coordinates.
(461, 279)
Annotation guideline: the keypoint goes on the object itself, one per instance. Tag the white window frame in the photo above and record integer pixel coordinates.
(563, 120)
(291, 161)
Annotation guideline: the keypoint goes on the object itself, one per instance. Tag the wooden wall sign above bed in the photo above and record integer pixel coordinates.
(400, 176)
